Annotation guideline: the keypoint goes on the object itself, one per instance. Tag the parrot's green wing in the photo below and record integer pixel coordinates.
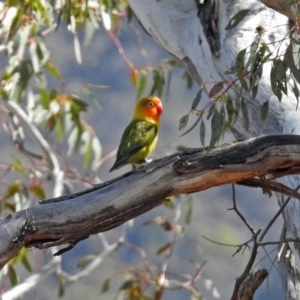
(137, 135)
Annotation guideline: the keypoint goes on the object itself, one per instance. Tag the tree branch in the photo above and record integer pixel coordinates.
(69, 219)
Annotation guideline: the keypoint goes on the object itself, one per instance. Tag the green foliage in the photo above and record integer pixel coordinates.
(21, 259)
(156, 80)
(12, 275)
(105, 286)
(29, 66)
(61, 287)
(264, 111)
(183, 121)
(223, 110)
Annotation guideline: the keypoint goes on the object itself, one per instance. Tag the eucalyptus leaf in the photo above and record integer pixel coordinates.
(237, 18)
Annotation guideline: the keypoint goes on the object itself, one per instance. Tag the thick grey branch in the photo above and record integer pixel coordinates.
(69, 219)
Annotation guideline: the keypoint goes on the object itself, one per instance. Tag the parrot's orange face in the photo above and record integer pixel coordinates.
(149, 108)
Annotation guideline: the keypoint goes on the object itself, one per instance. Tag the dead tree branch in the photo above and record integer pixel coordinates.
(69, 219)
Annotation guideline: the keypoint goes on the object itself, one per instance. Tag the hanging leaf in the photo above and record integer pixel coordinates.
(290, 63)
(189, 79)
(202, 133)
(211, 110)
(216, 127)
(197, 99)
(252, 54)
(105, 286)
(158, 83)
(222, 115)
(183, 121)
(278, 78)
(85, 261)
(164, 248)
(229, 107)
(18, 165)
(127, 284)
(13, 278)
(230, 113)
(259, 57)
(264, 111)
(52, 69)
(61, 287)
(194, 125)
(216, 89)
(25, 262)
(13, 189)
(141, 86)
(254, 81)
(237, 18)
(245, 113)
(240, 68)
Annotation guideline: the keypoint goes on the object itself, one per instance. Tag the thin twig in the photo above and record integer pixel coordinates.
(238, 212)
(276, 216)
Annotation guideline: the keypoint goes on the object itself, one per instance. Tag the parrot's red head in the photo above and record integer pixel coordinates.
(149, 108)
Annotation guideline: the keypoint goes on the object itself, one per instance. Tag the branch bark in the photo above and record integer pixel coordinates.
(70, 219)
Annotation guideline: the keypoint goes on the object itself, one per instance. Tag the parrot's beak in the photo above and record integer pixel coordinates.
(159, 109)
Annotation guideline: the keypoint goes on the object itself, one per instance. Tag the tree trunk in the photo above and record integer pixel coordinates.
(207, 51)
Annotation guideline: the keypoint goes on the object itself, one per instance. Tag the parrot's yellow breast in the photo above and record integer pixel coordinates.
(143, 153)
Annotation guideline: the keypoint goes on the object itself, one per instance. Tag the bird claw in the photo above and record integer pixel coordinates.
(141, 163)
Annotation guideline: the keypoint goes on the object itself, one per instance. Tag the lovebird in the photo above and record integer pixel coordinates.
(140, 136)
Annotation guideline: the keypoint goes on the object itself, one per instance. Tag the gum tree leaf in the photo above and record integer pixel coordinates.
(202, 133)
(245, 112)
(216, 89)
(13, 278)
(52, 69)
(210, 111)
(164, 248)
(197, 99)
(141, 86)
(264, 111)
(240, 68)
(194, 125)
(237, 18)
(216, 129)
(105, 286)
(183, 121)
(127, 284)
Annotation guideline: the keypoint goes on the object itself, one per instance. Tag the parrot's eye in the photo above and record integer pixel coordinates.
(150, 103)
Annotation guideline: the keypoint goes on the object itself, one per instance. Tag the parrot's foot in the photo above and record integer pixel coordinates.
(141, 163)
